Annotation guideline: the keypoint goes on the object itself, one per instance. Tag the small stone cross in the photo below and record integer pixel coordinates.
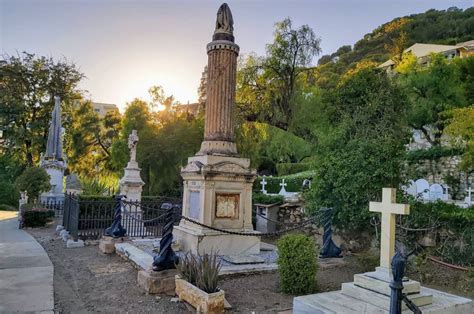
(282, 184)
(469, 191)
(389, 209)
(263, 183)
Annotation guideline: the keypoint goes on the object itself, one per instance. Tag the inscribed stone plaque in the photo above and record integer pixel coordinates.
(194, 204)
(227, 205)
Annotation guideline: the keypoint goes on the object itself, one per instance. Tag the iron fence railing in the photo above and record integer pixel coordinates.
(88, 219)
(56, 205)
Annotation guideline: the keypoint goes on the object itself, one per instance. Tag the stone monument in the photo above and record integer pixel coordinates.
(52, 161)
(217, 182)
(131, 185)
(370, 292)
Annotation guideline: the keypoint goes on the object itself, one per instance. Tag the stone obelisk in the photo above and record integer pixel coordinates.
(217, 182)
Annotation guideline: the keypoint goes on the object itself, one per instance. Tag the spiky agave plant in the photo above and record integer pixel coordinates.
(188, 267)
(208, 272)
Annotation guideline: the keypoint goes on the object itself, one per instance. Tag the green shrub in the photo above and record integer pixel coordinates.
(7, 207)
(260, 198)
(297, 264)
(291, 168)
(36, 216)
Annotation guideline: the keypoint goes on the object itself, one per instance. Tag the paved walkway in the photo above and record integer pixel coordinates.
(26, 273)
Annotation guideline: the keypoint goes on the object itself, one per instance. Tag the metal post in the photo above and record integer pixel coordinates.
(166, 259)
(116, 230)
(396, 285)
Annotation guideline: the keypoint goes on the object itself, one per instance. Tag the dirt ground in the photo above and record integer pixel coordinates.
(87, 281)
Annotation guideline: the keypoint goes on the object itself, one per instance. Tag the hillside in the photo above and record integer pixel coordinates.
(449, 26)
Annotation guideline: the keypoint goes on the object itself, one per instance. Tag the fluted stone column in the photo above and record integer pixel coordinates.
(222, 71)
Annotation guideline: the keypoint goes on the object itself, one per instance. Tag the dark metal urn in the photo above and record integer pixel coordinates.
(167, 258)
(329, 249)
(116, 230)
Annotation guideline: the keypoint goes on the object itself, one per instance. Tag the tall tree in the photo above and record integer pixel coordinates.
(275, 77)
(89, 139)
(28, 85)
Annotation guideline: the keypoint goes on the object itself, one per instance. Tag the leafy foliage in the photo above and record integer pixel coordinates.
(432, 153)
(10, 168)
(297, 264)
(454, 229)
(461, 129)
(363, 150)
(267, 145)
(89, 139)
(34, 180)
(28, 85)
(432, 90)
(267, 86)
(291, 168)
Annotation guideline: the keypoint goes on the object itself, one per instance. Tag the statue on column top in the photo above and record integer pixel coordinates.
(132, 145)
(224, 22)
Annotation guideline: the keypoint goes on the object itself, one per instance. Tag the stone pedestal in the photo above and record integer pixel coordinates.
(131, 185)
(107, 244)
(158, 282)
(218, 193)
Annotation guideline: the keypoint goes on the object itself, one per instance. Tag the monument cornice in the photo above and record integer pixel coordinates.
(223, 45)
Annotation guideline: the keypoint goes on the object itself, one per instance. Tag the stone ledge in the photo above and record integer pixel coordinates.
(371, 282)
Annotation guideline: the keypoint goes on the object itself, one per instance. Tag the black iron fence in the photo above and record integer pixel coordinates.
(56, 205)
(88, 219)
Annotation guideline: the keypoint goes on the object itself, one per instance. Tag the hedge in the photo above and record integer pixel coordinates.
(36, 217)
(294, 182)
(292, 168)
(259, 198)
(297, 264)
(432, 153)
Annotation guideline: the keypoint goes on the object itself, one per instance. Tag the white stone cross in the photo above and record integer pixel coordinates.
(283, 190)
(263, 183)
(469, 191)
(389, 209)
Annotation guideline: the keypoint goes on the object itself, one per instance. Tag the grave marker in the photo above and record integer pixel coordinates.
(389, 208)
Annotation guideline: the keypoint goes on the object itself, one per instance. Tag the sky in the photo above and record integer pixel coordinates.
(124, 47)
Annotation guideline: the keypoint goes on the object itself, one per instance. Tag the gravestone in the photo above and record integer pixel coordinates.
(423, 189)
(468, 199)
(263, 183)
(436, 192)
(411, 188)
(283, 184)
(445, 192)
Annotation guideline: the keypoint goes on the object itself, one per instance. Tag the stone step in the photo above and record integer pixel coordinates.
(337, 302)
(135, 255)
(373, 281)
(382, 300)
(332, 302)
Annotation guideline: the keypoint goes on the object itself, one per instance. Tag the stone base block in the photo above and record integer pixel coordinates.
(224, 244)
(158, 282)
(376, 281)
(73, 244)
(382, 300)
(107, 245)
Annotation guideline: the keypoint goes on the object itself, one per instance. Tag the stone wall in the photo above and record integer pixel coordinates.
(444, 170)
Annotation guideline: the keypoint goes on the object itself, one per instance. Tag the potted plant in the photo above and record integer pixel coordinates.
(197, 282)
